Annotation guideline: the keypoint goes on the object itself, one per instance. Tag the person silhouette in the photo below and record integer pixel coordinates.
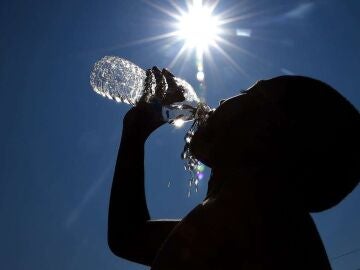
(286, 147)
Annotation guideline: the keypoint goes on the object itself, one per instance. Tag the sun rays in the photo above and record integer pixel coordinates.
(199, 28)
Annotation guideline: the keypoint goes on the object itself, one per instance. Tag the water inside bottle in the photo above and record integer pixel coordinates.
(118, 79)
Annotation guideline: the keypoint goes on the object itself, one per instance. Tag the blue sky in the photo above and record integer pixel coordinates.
(59, 139)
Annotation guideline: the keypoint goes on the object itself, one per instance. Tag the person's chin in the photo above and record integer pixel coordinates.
(200, 149)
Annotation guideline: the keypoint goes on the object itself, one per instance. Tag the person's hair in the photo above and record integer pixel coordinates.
(301, 126)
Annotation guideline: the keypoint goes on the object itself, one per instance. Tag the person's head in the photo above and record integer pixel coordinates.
(298, 126)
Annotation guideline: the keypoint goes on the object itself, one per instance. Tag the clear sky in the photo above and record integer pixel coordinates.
(59, 139)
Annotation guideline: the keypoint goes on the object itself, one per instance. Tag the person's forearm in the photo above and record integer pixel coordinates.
(128, 209)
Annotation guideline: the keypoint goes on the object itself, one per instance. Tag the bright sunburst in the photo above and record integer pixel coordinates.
(198, 27)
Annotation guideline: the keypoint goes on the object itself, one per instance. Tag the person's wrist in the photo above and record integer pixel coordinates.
(135, 133)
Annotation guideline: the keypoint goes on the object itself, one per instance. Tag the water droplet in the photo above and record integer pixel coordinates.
(192, 165)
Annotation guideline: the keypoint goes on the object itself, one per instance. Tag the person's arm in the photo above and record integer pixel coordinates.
(131, 233)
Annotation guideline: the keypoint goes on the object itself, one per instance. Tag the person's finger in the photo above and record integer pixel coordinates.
(174, 90)
(172, 87)
(160, 87)
(147, 87)
(156, 70)
(167, 73)
(170, 78)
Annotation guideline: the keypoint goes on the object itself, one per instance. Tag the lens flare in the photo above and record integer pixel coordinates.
(200, 76)
(201, 168)
(200, 175)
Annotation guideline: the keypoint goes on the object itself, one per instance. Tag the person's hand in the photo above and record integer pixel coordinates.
(168, 89)
(143, 119)
(175, 91)
(146, 116)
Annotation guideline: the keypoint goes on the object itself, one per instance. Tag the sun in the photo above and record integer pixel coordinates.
(201, 28)
(198, 27)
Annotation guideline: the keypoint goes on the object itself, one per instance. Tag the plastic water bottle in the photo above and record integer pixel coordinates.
(123, 81)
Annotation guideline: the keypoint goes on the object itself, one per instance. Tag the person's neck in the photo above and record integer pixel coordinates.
(248, 183)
